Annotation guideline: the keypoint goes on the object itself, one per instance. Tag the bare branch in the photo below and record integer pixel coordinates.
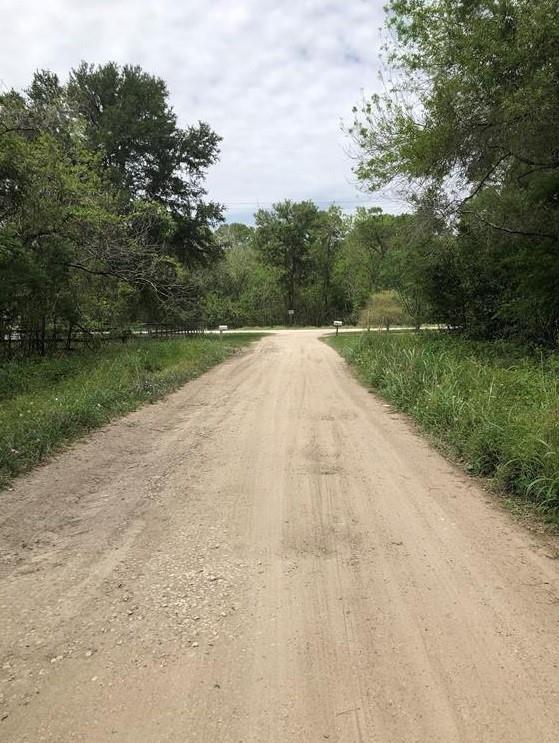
(508, 230)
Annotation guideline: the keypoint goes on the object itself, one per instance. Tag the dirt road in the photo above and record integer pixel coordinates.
(270, 555)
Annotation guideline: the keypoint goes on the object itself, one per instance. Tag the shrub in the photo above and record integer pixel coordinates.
(383, 310)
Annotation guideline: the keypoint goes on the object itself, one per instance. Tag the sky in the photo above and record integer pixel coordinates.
(275, 78)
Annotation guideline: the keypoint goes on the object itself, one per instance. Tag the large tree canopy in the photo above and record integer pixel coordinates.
(102, 202)
(284, 234)
(473, 115)
(129, 122)
(475, 95)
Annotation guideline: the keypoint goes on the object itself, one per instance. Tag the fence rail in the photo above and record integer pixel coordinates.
(18, 341)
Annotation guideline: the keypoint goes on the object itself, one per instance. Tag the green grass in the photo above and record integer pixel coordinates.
(492, 406)
(46, 403)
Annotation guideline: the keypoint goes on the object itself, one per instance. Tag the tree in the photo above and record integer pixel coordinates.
(129, 122)
(289, 258)
(473, 117)
(384, 309)
(369, 239)
(241, 289)
(234, 235)
(482, 95)
(78, 242)
(284, 236)
(323, 296)
(380, 252)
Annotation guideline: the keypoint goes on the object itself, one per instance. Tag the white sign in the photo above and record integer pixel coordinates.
(221, 328)
(338, 323)
(290, 312)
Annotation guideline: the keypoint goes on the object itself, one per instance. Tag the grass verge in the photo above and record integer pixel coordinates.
(46, 403)
(492, 406)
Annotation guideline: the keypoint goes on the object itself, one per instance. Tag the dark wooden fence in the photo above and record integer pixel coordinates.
(44, 340)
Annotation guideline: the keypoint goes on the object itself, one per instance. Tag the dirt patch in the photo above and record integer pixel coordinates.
(270, 554)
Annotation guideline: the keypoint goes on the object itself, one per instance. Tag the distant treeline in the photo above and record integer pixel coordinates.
(467, 133)
(323, 265)
(104, 219)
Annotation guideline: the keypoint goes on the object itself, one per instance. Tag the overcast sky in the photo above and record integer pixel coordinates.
(275, 78)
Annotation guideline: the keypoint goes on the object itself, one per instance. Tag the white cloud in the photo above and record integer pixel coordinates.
(274, 78)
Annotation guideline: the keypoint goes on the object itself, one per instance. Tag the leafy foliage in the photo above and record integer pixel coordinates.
(102, 210)
(323, 264)
(469, 129)
(383, 310)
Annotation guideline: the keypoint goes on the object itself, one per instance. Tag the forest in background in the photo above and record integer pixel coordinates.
(105, 224)
(467, 133)
(105, 221)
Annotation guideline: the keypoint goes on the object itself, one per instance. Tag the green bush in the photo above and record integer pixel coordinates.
(495, 406)
(384, 309)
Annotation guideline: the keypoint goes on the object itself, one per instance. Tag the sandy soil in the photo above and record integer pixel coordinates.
(271, 555)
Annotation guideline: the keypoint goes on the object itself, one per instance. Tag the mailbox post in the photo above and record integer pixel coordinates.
(338, 324)
(221, 328)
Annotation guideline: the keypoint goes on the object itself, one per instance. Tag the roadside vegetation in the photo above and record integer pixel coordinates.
(493, 406)
(105, 224)
(104, 217)
(467, 133)
(384, 309)
(48, 402)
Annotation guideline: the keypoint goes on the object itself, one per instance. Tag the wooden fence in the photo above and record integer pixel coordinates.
(27, 341)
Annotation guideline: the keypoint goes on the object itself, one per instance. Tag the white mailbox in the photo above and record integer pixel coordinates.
(221, 328)
(337, 324)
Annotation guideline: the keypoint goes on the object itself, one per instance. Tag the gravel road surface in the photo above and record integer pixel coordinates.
(271, 555)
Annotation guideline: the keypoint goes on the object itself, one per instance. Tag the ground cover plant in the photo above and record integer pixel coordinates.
(494, 406)
(48, 402)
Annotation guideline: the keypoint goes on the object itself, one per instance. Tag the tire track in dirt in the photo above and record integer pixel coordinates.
(271, 554)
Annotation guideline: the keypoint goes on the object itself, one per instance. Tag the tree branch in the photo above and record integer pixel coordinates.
(510, 231)
(486, 177)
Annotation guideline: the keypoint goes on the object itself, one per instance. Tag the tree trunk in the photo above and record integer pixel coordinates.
(69, 337)
(42, 336)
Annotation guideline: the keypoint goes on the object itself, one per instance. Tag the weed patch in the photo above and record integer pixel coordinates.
(495, 406)
(48, 402)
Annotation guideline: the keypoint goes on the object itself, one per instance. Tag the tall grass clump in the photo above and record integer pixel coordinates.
(47, 402)
(494, 406)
